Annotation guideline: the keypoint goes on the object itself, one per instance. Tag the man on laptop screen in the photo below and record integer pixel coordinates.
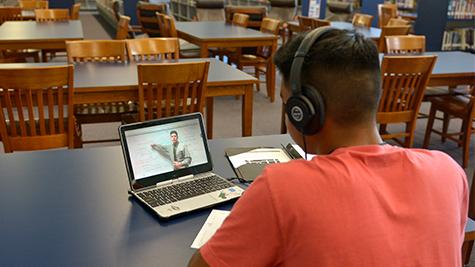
(360, 202)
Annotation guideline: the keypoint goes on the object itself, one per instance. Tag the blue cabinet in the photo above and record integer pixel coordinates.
(61, 3)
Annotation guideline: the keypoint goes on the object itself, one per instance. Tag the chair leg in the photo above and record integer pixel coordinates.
(410, 128)
(445, 127)
(430, 123)
(466, 134)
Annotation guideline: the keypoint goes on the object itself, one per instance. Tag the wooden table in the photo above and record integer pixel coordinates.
(45, 35)
(373, 33)
(217, 34)
(115, 82)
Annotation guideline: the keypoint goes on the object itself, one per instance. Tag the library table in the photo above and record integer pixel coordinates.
(373, 33)
(217, 34)
(34, 35)
(71, 208)
(114, 82)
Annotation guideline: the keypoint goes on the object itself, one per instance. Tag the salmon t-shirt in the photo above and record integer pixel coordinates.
(376, 205)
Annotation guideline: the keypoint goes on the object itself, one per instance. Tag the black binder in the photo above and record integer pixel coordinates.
(249, 171)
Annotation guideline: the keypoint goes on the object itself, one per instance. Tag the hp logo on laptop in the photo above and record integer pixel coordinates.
(297, 113)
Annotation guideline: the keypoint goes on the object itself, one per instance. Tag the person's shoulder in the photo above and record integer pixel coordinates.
(433, 158)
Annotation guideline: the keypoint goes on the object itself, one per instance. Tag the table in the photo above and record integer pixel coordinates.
(115, 82)
(45, 35)
(373, 33)
(217, 34)
(71, 208)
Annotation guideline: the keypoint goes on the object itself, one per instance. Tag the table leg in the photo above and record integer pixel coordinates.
(209, 117)
(204, 53)
(247, 102)
(270, 70)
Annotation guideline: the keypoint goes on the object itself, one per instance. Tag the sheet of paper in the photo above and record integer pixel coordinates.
(259, 154)
(302, 153)
(212, 224)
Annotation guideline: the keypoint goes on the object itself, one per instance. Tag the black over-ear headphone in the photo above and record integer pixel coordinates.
(305, 107)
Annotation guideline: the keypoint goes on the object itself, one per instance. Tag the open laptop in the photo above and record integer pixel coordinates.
(169, 165)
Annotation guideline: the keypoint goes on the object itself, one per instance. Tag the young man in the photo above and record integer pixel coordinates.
(177, 152)
(361, 202)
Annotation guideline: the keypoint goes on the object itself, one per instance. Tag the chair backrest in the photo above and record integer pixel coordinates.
(33, 4)
(271, 26)
(390, 31)
(256, 15)
(307, 23)
(362, 20)
(44, 15)
(210, 10)
(404, 79)
(398, 22)
(146, 15)
(75, 11)
(385, 13)
(9, 14)
(405, 44)
(36, 108)
(167, 24)
(240, 19)
(96, 51)
(122, 28)
(153, 49)
(171, 89)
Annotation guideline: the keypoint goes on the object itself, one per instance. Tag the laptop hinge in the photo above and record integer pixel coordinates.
(179, 179)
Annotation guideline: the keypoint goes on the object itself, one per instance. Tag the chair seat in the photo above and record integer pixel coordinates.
(455, 105)
(105, 108)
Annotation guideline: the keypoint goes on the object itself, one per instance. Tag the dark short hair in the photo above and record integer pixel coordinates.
(174, 132)
(344, 66)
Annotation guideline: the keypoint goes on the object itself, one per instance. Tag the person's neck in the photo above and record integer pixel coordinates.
(338, 137)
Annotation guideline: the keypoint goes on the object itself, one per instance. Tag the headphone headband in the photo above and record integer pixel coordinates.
(299, 57)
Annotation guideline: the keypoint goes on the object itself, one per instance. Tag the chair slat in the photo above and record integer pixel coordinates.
(31, 114)
(60, 110)
(41, 112)
(19, 109)
(52, 129)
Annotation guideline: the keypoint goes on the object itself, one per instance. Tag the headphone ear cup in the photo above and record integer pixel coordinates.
(315, 99)
(299, 111)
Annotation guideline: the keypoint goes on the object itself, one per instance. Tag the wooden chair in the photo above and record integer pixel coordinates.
(256, 15)
(405, 44)
(146, 15)
(75, 11)
(33, 4)
(307, 24)
(168, 29)
(362, 20)
(96, 51)
(458, 106)
(171, 89)
(10, 14)
(261, 59)
(385, 13)
(82, 52)
(45, 15)
(398, 22)
(122, 32)
(404, 79)
(390, 31)
(36, 107)
(240, 19)
(153, 49)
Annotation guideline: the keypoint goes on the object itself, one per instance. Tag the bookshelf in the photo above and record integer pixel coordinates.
(447, 24)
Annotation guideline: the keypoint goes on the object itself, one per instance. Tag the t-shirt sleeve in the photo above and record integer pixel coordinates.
(250, 236)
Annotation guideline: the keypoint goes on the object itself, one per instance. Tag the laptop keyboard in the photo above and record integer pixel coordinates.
(172, 193)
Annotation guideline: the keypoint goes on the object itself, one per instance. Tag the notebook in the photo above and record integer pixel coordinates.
(169, 166)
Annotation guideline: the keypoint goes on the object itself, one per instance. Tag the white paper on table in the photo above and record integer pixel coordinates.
(212, 224)
(259, 154)
(302, 153)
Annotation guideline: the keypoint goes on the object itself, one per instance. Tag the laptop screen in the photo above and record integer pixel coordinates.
(164, 149)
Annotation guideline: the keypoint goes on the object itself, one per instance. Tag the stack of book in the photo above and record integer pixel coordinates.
(406, 4)
(458, 39)
(461, 9)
